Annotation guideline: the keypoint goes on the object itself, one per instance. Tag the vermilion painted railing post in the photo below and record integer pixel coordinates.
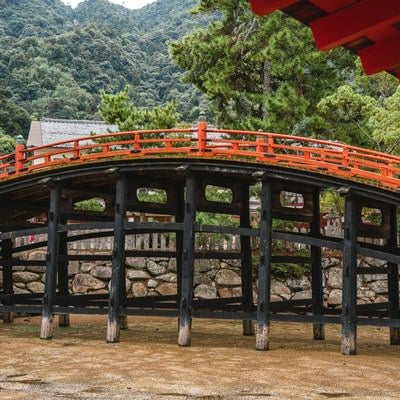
(76, 149)
(260, 142)
(345, 156)
(136, 143)
(202, 133)
(19, 154)
(270, 146)
(259, 148)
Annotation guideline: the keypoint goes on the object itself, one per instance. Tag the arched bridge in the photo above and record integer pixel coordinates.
(301, 153)
(41, 187)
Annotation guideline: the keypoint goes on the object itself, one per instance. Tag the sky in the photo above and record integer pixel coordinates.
(127, 3)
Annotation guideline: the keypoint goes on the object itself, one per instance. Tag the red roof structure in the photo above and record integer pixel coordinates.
(370, 28)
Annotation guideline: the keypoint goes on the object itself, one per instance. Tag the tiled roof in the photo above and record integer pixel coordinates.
(47, 130)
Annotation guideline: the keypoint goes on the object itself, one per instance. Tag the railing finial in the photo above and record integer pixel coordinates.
(202, 116)
(20, 140)
(19, 153)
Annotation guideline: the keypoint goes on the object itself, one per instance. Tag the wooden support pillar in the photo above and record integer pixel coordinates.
(46, 331)
(185, 315)
(264, 270)
(6, 255)
(118, 262)
(179, 217)
(63, 319)
(393, 279)
(316, 270)
(246, 261)
(123, 318)
(349, 294)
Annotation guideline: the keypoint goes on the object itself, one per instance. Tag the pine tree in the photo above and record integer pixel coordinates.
(118, 109)
(259, 73)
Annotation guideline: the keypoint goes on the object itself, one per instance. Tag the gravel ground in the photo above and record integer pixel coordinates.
(220, 365)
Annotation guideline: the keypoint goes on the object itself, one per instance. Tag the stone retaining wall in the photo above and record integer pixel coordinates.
(212, 279)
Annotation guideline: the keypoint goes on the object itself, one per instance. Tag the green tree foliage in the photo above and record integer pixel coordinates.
(118, 109)
(365, 112)
(54, 60)
(259, 73)
(14, 120)
(7, 143)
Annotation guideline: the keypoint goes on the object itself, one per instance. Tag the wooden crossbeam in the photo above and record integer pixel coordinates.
(263, 7)
(381, 56)
(355, 21)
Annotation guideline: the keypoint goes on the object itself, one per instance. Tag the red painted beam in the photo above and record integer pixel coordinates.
(381, 56)
(354, 21)
(332, 5)
(264, 7)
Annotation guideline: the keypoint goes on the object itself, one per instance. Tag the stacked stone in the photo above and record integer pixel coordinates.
(212, 279)
(30, 279)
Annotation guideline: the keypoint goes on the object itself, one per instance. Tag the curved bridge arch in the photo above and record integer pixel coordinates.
(295, 152)
(39, 187)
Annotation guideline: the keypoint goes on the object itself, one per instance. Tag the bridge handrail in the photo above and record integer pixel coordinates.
(315, 155)
(328, 143)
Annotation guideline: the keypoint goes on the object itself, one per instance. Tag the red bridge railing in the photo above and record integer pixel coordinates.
(320, 156)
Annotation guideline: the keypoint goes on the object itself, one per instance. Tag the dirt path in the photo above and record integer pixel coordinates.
(220, 365)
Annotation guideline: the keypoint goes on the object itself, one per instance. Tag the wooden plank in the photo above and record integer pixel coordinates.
(331, 243)
(292, 216)
(290, 305)
(118, 262)
(90, 235)
(23, 263)
(217, 255)
(152, 227)
(349, 291)
(185, 319)
(53, 221)
(230, 230)
(384, 254)
(218, 302)
(29, 247)
(89, 257)
(372, 270)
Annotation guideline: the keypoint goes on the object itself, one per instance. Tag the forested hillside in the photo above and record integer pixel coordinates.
(55, 61)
